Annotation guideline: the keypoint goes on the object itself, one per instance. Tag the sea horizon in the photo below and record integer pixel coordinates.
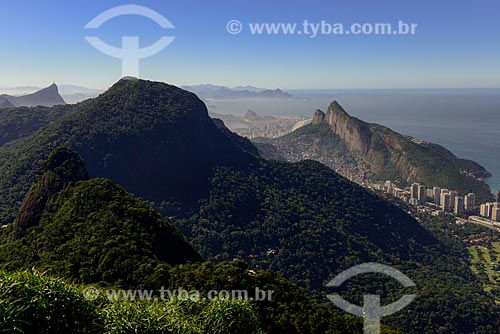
(463, 120)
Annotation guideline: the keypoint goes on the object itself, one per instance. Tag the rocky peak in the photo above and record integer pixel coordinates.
(50, 89)
(336, 107)
(319, 117)
(47, 97)
(62, 167)
(354, 132)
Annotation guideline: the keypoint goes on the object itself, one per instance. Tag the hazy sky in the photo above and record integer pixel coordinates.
(457, 44)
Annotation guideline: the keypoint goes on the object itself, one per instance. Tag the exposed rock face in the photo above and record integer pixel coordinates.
(319, 117)
(352, 131)
(359, 137)
(381, 148)
(360, 150)
(61, 167)
(46, 97)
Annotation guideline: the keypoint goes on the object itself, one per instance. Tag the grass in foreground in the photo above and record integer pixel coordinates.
(33, 303)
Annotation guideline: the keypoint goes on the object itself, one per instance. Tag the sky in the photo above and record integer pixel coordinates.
(456, 44)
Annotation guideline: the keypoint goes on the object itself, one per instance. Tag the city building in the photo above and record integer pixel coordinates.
(495, 213)
(488, 210)
(405, 197)
(388, 186)
(445, 201)
(453, 194)
(422, 195)
(470, 202)
(413, 201)
(459, 205)
(414, 190)
(398, 192)
(437, 195)
(438, 213)
(498, 196)
(482, 210)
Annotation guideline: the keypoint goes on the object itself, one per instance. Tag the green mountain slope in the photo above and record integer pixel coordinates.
(308, 224)
(164, 129)
(21, 122)
(362, 150)
(302, 220)
(90, 230)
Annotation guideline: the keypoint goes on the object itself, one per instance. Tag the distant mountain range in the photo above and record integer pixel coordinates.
(47, 97)
(360, 150)
(75, 93)
(208, 91)
(301, 220)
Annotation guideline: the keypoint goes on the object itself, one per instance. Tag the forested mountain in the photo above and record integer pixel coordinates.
(90, 229)
(21, 122)
(165, 131)
(301, 220)
(365, 150)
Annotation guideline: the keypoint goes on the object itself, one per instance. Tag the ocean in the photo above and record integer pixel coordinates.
(465, 121)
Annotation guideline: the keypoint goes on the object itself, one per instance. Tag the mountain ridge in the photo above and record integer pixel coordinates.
(209, 91)
(179, 127)
(378, 152)
(72, 226)
(301, 220)
(91, 231)
(46, 97)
